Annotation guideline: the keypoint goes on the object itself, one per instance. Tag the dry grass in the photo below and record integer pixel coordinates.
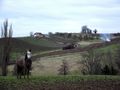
(49, 65)
(86, 43)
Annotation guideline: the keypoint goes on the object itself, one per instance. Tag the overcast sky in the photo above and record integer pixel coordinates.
(60, 15)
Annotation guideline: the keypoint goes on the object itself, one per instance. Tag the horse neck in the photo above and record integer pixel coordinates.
(21, 62)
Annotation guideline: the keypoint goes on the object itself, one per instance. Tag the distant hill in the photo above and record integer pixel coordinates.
(61, 40)
(40, 42)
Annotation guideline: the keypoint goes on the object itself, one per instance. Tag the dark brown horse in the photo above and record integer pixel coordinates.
(22, 68)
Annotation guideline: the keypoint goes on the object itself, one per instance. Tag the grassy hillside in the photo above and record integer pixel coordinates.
(50, 64)
(40, 42)
(85, 46)
(19, 45)
(112, 48)
(61, 40)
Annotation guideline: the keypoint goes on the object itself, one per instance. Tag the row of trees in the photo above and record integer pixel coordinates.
(85, 34)
(6, 36)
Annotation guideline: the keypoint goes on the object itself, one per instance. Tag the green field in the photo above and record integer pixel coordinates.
(61, 83)
(40, 42)
(111, 48)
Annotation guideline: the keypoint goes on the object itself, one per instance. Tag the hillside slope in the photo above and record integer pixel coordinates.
(40, 42)
(21, 44)
(82, 49)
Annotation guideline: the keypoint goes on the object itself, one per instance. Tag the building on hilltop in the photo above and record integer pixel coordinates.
(39, 35)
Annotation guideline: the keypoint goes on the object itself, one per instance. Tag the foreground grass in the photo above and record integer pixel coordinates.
(58, 79)
(60, 83)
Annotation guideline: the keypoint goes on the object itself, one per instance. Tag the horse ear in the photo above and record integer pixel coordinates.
(30, 50)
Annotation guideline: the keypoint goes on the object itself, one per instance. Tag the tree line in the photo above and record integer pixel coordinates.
(85, 34)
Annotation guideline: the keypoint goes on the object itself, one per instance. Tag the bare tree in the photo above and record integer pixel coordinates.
(64, 69)
(91, 63)
(95, 62)
(6, 35)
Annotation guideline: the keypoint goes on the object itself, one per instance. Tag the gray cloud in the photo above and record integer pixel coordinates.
(61, 15)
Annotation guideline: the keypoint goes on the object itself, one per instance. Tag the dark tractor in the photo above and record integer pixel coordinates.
(69, 46)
